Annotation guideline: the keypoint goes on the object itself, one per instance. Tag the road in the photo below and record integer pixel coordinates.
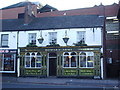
(66, 87)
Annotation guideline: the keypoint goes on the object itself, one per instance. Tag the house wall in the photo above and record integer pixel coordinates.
(92, 38)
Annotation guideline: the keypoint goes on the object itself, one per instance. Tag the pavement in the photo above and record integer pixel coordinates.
(63, 81)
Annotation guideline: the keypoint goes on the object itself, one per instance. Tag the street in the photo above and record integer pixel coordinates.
(36, 86)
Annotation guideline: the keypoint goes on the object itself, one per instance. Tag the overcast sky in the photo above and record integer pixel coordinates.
(63, 4)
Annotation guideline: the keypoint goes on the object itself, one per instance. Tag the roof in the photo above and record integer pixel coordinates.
(60, 22)
(47, 8)
(20, 4)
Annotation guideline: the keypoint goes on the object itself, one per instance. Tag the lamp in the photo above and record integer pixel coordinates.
(40, 40)
(65, 39)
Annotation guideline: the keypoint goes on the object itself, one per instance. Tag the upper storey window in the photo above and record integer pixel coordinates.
(32, 38)
(52, 37)
(81, 36)
(4, 40)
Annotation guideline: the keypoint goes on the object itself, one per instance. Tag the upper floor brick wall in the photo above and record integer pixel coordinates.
(110, 10)
(13, 13)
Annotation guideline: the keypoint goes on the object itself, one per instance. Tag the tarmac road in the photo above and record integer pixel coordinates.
(36, 86)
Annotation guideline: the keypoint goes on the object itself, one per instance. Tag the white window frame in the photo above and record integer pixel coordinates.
(86, 59)
(31, 59)
(69, 60)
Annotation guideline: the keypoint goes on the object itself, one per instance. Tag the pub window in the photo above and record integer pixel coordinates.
(69, 59)
(52, 37)
(39, 60)
(90, 59)
(33, 60)
(86, 59)
(4, 40)
(32, 38)
(27, 59)
(82, 59)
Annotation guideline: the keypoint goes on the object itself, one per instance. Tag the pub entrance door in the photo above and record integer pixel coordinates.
(52, 64)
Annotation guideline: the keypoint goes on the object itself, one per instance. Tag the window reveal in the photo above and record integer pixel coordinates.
(70, 59)
(33, 60)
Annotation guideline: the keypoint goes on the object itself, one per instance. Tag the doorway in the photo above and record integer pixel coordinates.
(52, 64)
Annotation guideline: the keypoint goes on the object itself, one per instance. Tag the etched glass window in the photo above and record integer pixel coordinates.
(90, 59)
(39, 60)
(27, 59)
(82, 59)
(86, 59)
(70, 59)
(33, 60)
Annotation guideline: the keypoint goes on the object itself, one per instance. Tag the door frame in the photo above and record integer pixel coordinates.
(48, 60)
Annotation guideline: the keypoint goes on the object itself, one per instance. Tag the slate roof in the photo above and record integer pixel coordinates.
(20, 4)
(60, 22)
(46, 8)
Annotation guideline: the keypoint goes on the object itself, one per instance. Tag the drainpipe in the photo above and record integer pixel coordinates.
(102, 13)
(18, 58)
(104, 49)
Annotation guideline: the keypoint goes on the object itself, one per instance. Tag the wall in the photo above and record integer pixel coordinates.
(91, 38)
(12, 13)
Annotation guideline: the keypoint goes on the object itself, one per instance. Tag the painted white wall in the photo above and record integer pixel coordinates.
(92, 38)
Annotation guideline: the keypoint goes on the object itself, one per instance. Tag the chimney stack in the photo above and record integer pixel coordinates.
(101, 10)
(28, 13)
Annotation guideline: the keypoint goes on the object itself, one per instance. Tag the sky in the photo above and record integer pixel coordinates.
(63, 4)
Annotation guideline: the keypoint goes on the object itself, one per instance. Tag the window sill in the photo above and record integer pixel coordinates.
(5, 46)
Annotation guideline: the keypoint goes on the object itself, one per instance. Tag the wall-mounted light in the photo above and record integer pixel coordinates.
(65, 39)
(70, 56)
(40, 39)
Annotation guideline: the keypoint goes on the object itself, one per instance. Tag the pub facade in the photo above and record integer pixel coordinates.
(63, 46)
(64, 61)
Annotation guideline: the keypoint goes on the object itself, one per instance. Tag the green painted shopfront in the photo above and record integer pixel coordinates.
(67, 61)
